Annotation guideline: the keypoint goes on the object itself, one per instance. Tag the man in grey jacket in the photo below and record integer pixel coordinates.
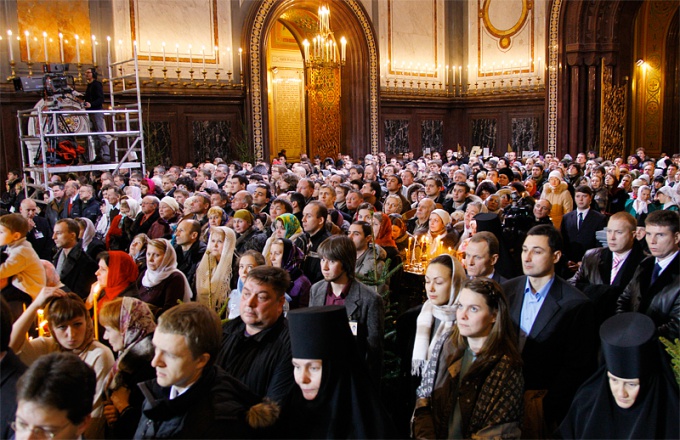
(365, 309)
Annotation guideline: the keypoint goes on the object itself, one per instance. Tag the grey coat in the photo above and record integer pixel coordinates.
(366, 308)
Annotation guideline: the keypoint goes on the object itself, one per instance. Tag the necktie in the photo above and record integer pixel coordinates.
(656, 272)
(70, 205)
(615, 268)
(580, 220)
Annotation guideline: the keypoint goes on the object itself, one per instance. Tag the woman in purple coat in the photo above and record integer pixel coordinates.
(286, 255)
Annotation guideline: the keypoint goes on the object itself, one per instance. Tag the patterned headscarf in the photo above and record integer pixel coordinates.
(136, 322)
(384, 237)
(292, 256)
(290, 223)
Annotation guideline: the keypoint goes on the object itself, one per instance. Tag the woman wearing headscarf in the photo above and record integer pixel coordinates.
(134, 192)
(138, 251)
(162, 284)
(286, 226)
(118, 236)
(148, 188)
(129, 325)
(116, 276)
(287, 256)
(334, 398)
(400, 233)
(556, 191)
(88, 240)
(168, 210)
(439, 237)
(666, 199)
(633, 395)
(641, 205)
(213, 275)
(72, 331)
(473, 385)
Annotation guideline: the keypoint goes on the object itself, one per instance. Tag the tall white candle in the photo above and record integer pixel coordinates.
(163, 45)
(240, 60)
(453, 70)
(191, 62)
(77, 49)
(61, 47)
(9, 44)
(203, 54)
(148, 49)
(47, 58)
(230, 60)
(177, 52)
(460, 74)
(94, 50)
(28, 47)
(108, 49)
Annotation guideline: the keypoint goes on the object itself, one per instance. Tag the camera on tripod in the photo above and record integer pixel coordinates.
(55, 81)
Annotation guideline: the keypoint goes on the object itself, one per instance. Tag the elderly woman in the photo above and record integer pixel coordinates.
(213, 275)
(392, 205)
(129, 326)
(473, 385)
(169, 212)
(557, 193)
(161, 285)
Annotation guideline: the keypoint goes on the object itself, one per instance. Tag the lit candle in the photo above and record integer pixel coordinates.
(61, 46)
(148, 49)
(9, 44)
(305, 44)
(240, 60)
(77, 49)
(163, 44)
(230, 60)
(191, 62)
(343, 49)
(538, 70)
(177, 52)
(203, 54)
(94, 50)
(47, 59)
(460, 74)
(108, 49)
(28, 47)
(41, 321)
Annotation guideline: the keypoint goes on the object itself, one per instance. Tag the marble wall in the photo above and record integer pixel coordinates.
(432, 133)
(211, 139)
(525, 135)
(396, 136)
(483, 133)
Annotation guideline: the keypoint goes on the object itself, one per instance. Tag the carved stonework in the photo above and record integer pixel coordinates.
(324, 112)
(553, 61)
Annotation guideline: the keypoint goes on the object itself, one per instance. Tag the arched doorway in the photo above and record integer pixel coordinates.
(359, 83)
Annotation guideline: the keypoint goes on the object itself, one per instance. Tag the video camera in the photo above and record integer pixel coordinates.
(54, 81)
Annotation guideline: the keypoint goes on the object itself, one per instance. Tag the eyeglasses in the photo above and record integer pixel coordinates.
(38, 431)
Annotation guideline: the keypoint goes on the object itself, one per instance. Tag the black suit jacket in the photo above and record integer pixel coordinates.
(578, 241)
(560, 352)
(40, 238)
(78, 271)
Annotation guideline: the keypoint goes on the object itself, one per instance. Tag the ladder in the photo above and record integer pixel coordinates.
(125, 122)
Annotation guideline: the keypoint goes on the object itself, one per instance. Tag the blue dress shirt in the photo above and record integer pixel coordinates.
(531, 305)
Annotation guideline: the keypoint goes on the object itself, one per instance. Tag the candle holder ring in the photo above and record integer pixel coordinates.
(13, 75)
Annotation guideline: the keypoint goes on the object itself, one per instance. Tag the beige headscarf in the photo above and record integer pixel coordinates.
(212, 277)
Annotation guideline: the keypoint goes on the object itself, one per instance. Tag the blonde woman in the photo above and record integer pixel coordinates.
(213, 275)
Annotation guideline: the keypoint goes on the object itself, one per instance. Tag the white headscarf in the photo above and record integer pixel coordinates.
(640, 206)
(88, 234)
(426, 335)
(213, 278)
(103, 223)
(134, 208)
(668, 192)
(167, 267)
(134, 192)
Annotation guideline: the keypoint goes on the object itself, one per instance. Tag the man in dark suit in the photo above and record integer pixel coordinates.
(39, 230)
(365, 310)
(606, 271)
(579, 227)
(481, 256)
(655, 287)
(554, 322)
(74, 267)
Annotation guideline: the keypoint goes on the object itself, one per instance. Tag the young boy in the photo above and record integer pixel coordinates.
(19, 262)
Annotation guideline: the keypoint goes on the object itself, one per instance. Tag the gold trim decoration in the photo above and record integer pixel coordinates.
(504, 36)
(553, 63)
(612, 115)
(255, 44)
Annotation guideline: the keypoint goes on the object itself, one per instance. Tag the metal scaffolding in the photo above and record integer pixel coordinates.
(43, 127)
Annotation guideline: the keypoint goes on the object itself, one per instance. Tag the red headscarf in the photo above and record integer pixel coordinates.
(122, 272)
(384, 237)
(152, 186)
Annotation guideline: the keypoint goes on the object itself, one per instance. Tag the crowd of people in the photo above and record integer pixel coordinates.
(233, 300)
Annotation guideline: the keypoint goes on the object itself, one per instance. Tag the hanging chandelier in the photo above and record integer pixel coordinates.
(323, 51)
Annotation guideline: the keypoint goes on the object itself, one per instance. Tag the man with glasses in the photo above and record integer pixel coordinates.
(54, 398)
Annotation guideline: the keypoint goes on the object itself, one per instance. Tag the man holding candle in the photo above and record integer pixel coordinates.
(94, 99)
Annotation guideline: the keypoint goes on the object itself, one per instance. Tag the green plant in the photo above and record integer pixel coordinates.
(673, 349)
(242, 145)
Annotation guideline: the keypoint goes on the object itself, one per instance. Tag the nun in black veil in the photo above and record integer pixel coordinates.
(334, 398)
(632, 396)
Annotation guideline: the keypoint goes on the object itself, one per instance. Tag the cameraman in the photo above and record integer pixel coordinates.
(94, 99)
